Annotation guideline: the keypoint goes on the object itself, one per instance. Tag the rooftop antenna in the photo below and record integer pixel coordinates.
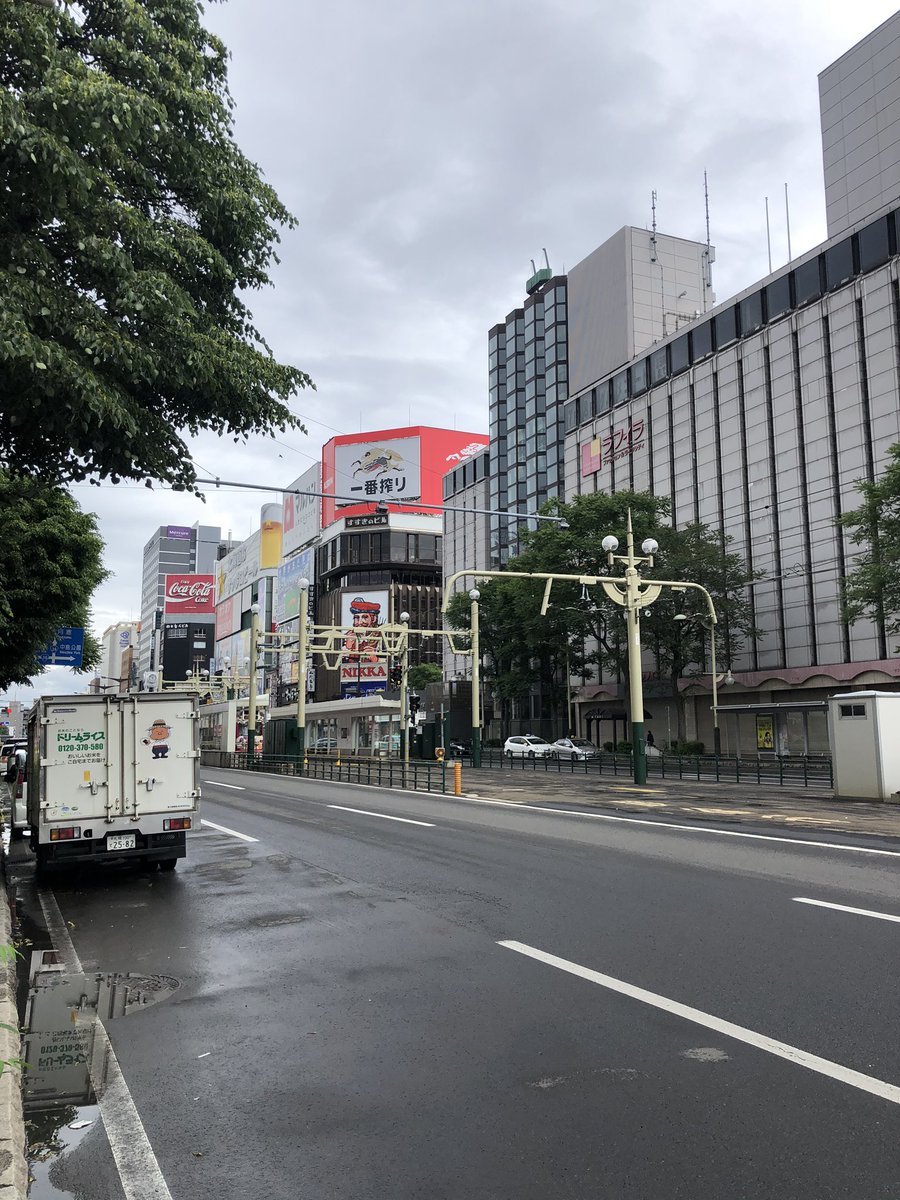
(787, 217)
(653, 257)
(707, 281)
(533, 267)
(768, 236)
(546, 259)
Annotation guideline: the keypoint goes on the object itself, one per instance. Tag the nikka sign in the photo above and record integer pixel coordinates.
(191, 594)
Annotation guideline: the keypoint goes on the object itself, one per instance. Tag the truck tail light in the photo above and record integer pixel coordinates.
(171, 823)
(63, 833)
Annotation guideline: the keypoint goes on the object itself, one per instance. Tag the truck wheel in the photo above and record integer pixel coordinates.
(40, 863)
(168, 864)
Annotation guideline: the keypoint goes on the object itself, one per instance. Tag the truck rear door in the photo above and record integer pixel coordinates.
(79, 741)
(161, 756)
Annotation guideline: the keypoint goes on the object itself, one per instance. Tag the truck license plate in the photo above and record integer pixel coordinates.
(121, 841)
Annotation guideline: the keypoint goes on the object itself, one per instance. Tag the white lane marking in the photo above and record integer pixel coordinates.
(760, 837)
(860, 912)
(365, 812)
(245, 837)
(234, 787)
(136, 1163)
(800, 1058)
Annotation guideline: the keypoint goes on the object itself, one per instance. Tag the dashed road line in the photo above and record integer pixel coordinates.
(800, 1058)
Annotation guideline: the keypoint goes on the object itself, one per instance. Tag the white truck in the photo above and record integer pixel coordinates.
(112, 778)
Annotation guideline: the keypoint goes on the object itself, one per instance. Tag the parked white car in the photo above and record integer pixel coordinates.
(578, 748)
(528, 746)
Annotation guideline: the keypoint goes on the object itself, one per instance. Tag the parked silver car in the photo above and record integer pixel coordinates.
(578, 748)
(528, 746)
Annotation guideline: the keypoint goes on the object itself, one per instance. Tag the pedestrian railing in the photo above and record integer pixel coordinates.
(417, 775)
(780, 770)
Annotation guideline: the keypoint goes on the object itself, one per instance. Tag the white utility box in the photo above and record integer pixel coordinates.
(864, 729)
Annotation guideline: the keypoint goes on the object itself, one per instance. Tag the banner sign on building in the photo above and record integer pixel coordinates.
(364, 667)
(392, 465)
(270, 535)
(387, 469)
(190, 594)
(287, 590)
(228, 617)
(180, 533)
(367, 522)
(302, 513)
(618, 443)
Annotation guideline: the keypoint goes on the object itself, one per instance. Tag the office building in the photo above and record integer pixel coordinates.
(179, 550)
(755, 416)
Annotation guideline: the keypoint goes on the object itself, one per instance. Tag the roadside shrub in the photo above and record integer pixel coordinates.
(687, 748)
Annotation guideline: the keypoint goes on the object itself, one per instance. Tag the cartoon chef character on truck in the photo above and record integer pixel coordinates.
(158, 738)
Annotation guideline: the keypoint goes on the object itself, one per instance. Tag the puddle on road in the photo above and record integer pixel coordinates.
(66, 1051)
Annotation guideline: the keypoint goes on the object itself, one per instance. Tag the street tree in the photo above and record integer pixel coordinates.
(420, 676)
(131, 229)
(584, 632)
(51, 567)
(872, 588)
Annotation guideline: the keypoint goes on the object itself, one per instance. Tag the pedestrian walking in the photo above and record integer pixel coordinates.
(650, 739)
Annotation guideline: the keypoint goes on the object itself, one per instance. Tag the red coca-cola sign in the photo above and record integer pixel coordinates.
(191, 594)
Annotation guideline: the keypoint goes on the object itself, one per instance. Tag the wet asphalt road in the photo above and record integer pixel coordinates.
(364, 1035)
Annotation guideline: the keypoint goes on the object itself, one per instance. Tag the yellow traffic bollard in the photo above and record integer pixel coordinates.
(457, 779)
(439, 754)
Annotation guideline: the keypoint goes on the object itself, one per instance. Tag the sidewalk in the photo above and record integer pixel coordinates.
(762, 805)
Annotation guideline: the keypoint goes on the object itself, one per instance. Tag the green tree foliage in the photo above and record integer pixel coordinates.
(583, 632)
(51, 567)
(420, 676)
(872, 589)
(131, 225)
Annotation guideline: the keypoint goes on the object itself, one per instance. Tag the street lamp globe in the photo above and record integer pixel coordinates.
(404, 618)
(610, 544)
(649, 546)
(303, 584)
(474, 594)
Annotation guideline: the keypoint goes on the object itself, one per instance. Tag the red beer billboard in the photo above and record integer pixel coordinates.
(191, 594)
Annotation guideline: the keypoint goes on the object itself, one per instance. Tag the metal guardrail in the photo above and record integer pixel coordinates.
(418, 776)
(784, 771)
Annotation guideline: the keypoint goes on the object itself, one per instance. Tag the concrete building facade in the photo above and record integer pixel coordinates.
(859, 104)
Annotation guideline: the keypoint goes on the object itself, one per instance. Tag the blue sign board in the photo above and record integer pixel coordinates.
(66, 651)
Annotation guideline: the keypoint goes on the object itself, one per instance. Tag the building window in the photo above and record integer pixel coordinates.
(639, 377)
(680, 354)
(659, 365)
(839, 264)
(874, 245)
(620, 388)
(751, 313)
(602, 401)
(778, 297)
(807, 282)
(726, 327)
(852, 712)
(701, 342)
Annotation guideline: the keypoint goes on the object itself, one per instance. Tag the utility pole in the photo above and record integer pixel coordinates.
(303, 641)
(404, 688)
(475, 596)
(254, 654)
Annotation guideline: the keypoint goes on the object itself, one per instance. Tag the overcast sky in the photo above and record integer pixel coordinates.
(430, 151)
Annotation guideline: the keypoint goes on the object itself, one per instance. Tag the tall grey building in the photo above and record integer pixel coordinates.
(859, 104)
(173, 549)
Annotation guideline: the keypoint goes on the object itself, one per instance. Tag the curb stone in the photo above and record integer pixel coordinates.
(13, 1166)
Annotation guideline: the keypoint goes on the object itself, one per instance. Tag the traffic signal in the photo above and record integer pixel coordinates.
(413, 704)
(395, 677)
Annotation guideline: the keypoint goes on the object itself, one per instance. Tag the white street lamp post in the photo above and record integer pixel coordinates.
(254, 655)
